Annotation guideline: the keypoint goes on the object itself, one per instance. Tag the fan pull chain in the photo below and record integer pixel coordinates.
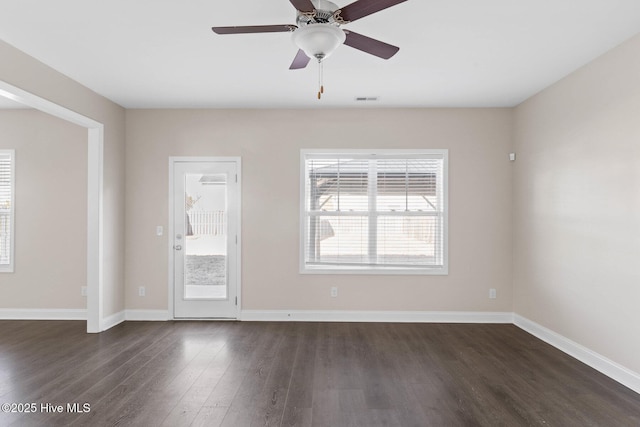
(320, 78)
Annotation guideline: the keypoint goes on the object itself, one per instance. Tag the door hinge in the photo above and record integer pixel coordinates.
(236, 300)
(236, 178)
(236, 239)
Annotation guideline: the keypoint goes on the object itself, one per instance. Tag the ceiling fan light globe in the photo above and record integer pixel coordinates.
(318, 40)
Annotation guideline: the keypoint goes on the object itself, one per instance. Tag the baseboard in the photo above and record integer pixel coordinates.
(147, 315)
(113, 320)
(272, 315)
(43, 314)
(589, 357)
(375, 316)
(81, 314)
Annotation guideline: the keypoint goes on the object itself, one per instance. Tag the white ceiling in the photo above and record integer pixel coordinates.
(453, 53)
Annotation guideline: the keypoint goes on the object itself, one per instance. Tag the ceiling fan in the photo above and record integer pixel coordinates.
(317, 32)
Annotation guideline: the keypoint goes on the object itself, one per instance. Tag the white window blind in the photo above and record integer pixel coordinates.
(374, 211)
(6, 209)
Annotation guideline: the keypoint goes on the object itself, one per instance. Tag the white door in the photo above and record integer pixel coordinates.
(205, 255)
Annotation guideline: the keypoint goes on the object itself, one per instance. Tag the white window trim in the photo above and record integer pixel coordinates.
(381, 270)
(12, 215)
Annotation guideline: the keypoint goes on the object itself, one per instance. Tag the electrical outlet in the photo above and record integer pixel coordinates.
(159, 230)
(334, 291)
(142, 291)
(492, 294)
(83, 291)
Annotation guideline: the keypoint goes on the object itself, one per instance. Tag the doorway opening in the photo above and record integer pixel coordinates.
(95, 242)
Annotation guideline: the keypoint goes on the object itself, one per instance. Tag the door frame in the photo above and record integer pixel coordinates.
(171, 231)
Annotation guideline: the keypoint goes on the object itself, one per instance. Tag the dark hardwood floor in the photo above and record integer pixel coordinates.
(299, 374)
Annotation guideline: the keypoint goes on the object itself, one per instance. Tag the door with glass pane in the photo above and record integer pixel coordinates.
(205, 215)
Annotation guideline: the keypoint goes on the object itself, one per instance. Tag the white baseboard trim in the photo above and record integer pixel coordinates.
(81, 314)
(375, 316)
(147, 315)
(589, 357)
(43, 314)
(272, 316)
(113, 320)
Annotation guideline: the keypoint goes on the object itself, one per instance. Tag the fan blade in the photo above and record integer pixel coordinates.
(361, 8)
(303, 5)
(300, 61)
(255, 29)
(369, 45)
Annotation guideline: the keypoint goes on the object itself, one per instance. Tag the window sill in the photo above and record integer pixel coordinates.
(390, 271)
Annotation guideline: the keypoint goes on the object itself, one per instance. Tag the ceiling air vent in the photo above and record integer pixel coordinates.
(366, 98)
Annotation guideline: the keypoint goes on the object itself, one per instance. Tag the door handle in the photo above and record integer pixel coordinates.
(177, 247)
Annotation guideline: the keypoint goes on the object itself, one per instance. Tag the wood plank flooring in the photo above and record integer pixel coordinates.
(300, 374)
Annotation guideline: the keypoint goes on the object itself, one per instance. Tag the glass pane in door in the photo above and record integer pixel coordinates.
(205, 267)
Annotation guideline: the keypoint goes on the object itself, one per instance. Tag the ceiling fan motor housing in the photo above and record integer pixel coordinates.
(324, 14)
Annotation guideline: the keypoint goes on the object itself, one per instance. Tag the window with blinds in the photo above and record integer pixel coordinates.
(6, 209)
(382, 211)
